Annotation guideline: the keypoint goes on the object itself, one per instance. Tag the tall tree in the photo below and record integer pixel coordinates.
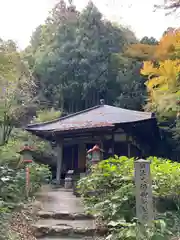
(17, 88)
(72, 57)
(163, 75)
(164, 89)
(132, 94)
(149, 40)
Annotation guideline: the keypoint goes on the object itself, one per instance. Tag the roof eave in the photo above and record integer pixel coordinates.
(74, 130)
(55, 131)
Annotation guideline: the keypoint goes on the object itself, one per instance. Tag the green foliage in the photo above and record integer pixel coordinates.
(165, 175)
(72, 58)
(12, 171)
(109, 193)
(9, 153)
(46, 115)
(133, 92)
(134, 231)
(17, 86)
(150, 41)
(42, 149)
(40, 174)
(13, 191)
(12, 182)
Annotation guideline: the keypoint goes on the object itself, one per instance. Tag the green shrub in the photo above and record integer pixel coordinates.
(12, 182)
(12, 174)
(166, 177)
(109, 190)
(112, 179)
(9, 152)
(13, 191)
(39, 174)
(134, 231)
(46, 115)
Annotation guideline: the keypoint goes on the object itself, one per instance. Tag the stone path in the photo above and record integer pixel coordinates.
(62, 217)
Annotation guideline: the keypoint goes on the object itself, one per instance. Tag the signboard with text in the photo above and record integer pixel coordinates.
(144, 203)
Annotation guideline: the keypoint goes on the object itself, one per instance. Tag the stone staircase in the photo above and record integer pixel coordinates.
(62, 218)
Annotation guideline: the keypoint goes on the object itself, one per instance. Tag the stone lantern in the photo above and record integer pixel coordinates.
(96, 154)
(26, 153)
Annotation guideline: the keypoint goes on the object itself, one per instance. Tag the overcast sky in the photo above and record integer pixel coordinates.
(18, 18)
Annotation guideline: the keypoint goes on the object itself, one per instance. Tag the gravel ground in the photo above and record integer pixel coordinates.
(21, 221)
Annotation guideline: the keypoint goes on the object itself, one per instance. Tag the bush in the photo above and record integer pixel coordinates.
(13, 191)
(109, 190)
(12, 182)
(39, 174)
(46, 115)
(112, 180)
(12, 175)
(9, 152)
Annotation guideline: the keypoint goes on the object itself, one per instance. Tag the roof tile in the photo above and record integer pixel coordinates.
(99, 116)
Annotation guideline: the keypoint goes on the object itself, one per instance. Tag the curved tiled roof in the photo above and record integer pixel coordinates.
(98, 116)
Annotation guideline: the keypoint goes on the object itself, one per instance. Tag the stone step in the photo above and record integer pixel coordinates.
(66, 228)
(64, 215)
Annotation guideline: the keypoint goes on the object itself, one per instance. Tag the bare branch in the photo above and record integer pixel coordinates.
(171, 6)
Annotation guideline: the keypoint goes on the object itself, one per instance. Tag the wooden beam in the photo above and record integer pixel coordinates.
(80, 141)
(72, 157)
(59, 161)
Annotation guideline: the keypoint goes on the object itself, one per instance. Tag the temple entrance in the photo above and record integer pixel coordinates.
(70, 158)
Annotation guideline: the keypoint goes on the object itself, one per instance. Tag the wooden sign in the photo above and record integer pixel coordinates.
(144, 203)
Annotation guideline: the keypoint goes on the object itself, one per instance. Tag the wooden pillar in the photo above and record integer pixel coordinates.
(81, 156)
(102, 147)
(59, 161)
(72, 164)
(129, 149)
(128, 145)
(112, 144)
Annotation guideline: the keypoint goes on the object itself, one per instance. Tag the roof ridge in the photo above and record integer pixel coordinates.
(62, 118)
(136, 111)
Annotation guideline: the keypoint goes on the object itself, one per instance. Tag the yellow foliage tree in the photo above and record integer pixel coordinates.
(169, 45)
(168, 48)
(141, 51)
(163, 84)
